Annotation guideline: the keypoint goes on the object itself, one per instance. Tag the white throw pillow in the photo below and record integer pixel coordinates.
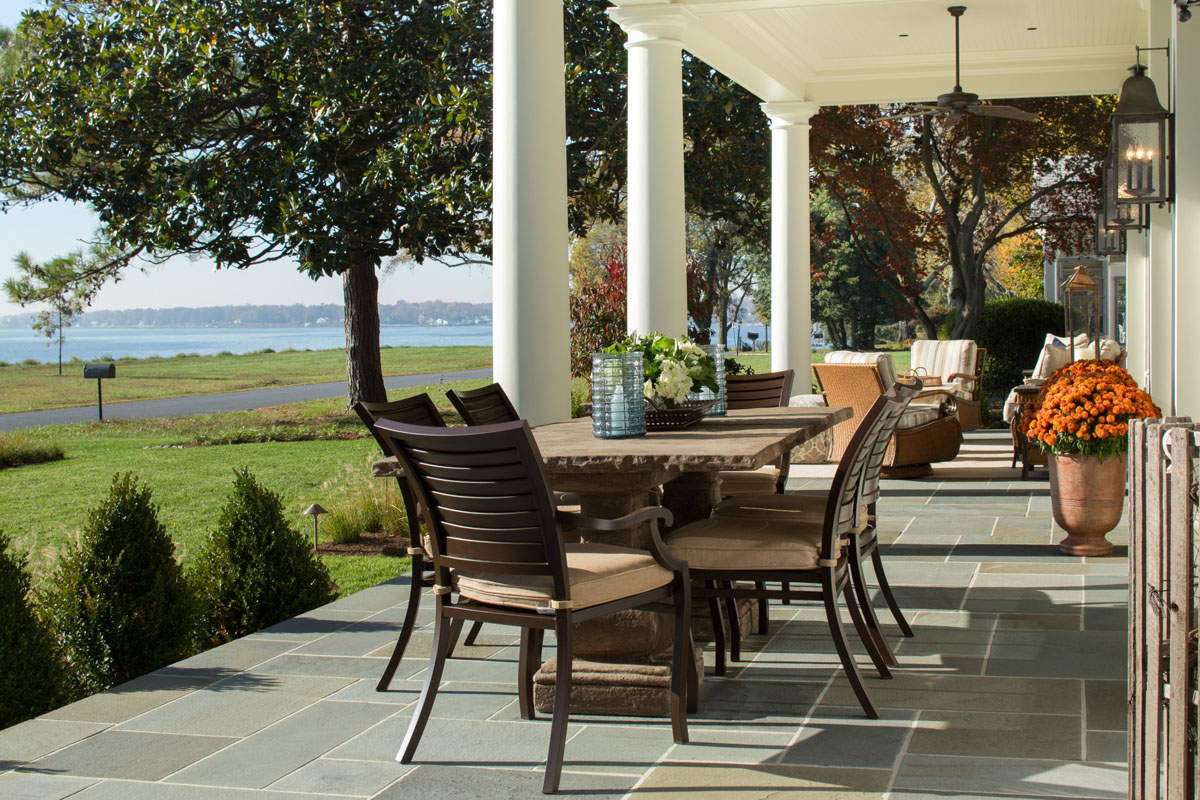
(1052, 358)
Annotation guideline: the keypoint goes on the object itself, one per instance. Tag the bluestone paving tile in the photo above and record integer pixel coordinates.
(1041, 622)
(501, 784)
(915, 690)
(1024, 599)
(1109, 746)
(306, 628)
(482, 670)
(448, 741)
(842, 737)
(1063, 654)
(259, 760)
(27, 786)
(129, 699)
(320, 666)
(1008, 776)
(996, 735)
(400, 692)
(37, 737)
(377, 598)
(755, 703)
(1107, 705)
(456, 700)
(748, 745)
(229, 658)
(621, 750)
(130, 790)
(238, 706)
(124, 754)
(332, 776)
(751, 782)
(356, 639)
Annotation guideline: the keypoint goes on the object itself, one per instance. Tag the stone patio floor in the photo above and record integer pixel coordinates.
(1014, 686)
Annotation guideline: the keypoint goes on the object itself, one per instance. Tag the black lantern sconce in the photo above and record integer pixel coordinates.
(1108, 243)
(1141, 141)
(1185, 8)
(1118, 217)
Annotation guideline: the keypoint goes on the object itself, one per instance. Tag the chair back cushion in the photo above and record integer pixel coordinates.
(940, 359)
(485, 406)
(887, 367)
(486, 500)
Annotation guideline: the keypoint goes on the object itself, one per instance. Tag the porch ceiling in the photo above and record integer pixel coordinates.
(838, 52)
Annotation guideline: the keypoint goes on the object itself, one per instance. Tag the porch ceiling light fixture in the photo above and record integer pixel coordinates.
(1185, 8)
(1141, 141)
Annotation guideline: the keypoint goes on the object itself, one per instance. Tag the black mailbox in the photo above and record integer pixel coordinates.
(99, 371)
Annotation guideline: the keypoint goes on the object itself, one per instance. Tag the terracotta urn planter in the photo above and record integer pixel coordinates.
(1087, 496)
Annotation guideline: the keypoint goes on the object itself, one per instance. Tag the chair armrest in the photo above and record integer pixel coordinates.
(652, 515)
(1028, 373)
(566, 499)
(963, 375)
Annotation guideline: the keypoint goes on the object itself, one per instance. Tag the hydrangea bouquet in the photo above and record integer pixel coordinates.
(673, 367)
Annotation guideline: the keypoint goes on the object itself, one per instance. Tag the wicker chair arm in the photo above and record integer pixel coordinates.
(966, 376)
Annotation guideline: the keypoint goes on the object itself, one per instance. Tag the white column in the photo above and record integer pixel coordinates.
(1137, 300)
(1185, 51)
(657, 295)
(531, 316)
(791, 280)
(1160, 247)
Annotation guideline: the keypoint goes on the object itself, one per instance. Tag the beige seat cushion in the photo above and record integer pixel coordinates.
(917, 415)
(809, 506)
(943, 358)
(756, 481)
(735, 543)
(598, 573)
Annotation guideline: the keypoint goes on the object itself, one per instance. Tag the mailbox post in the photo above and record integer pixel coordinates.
(100, 372)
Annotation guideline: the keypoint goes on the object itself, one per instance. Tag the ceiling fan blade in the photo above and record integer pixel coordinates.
(920, 110)
(953, 119)
(1007, 112)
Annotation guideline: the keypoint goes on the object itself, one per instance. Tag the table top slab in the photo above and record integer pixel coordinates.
(744, 439)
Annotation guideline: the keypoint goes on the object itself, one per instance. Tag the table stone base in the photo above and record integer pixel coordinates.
(702, 620)
(621, 690)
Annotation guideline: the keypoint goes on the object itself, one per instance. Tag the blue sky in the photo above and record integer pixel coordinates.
(50, 229)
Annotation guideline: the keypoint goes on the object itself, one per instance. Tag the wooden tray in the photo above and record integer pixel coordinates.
(670, 419)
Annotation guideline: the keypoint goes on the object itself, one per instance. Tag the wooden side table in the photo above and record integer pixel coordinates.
(1021, 450)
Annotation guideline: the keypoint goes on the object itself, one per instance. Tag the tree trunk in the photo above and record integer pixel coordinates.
(364, 372)
(931, 330)
(969, 299)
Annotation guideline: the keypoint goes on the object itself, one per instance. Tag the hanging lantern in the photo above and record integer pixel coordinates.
(1081, 306)
(1108, 243)
(1140, 143)
(1116, 216)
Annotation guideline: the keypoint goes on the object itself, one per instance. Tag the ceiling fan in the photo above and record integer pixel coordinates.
(954, 106)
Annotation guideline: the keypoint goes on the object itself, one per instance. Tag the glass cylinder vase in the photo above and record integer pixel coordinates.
(618, 402)
(721, 406)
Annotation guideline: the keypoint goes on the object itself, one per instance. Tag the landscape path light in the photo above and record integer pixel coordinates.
(315, 511)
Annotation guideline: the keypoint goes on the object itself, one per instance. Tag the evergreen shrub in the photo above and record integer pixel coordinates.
(31, 672)
(256, 568)
(118, 602)
(1013, 329)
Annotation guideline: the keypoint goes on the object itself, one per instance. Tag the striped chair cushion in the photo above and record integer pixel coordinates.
(941, 359)
(887, 367)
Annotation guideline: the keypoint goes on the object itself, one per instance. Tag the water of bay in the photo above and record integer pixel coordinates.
(95, 344)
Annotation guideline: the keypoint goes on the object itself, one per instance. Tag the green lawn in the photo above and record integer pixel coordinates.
(43, 506)
(38, 387)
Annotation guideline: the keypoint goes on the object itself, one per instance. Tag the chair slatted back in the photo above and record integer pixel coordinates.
(768, 390)
(487, 502)
(905, 392)
(841, 510)
(416, 410)
(486, 406)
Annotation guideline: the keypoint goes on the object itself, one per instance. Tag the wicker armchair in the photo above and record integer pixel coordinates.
(957, 366)
(927, 433)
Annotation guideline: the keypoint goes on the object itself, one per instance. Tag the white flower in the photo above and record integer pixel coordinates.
(691, 349)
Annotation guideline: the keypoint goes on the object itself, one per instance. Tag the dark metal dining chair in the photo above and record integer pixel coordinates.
(499, 556)
(723, 550)
(864, 542)
(416, 410)
(484, 406)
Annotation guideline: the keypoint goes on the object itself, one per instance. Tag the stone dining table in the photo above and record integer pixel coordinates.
(622, 660)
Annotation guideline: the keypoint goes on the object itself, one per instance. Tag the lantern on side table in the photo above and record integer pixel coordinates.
(1081, 307)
